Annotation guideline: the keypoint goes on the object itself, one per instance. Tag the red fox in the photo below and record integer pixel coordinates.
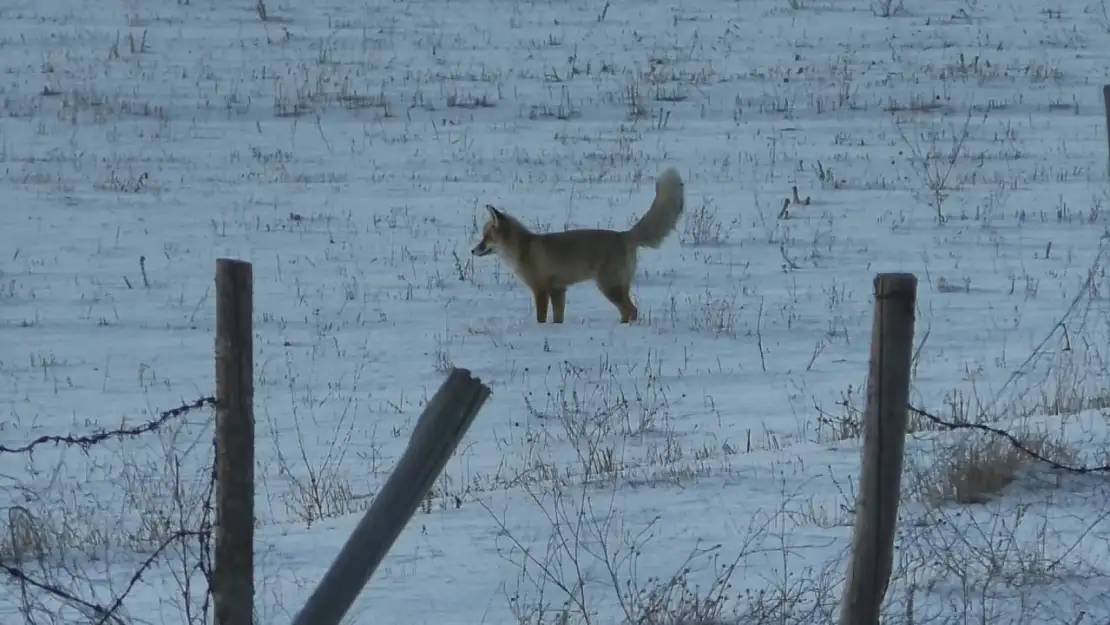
(550, 262)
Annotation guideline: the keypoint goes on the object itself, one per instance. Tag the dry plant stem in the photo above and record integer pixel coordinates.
(1073, 306)
(584, 535)
(759, 337)
(934, 166)
(324, 492)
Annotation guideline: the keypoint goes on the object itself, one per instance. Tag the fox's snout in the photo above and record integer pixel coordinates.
(481, 249)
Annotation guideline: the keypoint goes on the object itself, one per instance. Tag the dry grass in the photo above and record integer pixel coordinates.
(979, 467)
(22, 542)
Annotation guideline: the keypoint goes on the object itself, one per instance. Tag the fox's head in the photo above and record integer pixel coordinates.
(495, 232)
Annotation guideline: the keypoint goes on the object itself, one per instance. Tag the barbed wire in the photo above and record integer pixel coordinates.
(149, 562)
(85, 441)
(58, 593)
(101, 614)
(1012, 439)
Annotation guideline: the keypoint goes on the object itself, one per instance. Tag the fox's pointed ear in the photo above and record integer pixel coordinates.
(494, 214)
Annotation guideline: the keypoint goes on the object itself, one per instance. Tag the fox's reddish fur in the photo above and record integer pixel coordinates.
(550, 262)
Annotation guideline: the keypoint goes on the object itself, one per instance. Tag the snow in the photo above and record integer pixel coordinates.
(347, 150)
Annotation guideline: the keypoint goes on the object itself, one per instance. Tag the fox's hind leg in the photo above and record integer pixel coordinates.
(614, 279)
(633, 312)
(542, 299)
(618, 294)
(558, 303)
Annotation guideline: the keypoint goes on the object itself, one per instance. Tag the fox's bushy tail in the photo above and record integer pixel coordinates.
(662, 217)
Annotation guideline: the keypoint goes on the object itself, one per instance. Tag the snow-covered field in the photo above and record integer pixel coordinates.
(701, 463)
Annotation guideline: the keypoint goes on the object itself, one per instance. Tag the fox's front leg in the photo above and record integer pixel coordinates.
(558, 304)
(542, 300)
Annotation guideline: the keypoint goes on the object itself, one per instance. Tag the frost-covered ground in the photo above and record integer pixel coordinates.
(347, 150)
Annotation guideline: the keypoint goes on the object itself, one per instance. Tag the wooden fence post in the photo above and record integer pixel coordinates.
(233, 574)
(884, 441)
(441, 427)
(1106, 103)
